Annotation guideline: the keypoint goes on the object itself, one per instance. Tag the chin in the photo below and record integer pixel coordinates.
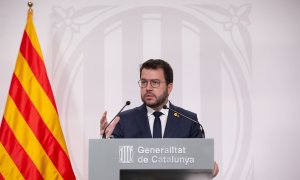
(150, 104)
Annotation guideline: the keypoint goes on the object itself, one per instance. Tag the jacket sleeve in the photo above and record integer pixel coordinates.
(196, 129)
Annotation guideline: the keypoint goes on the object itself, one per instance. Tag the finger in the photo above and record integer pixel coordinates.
(112, 126)
(216, 170)
(102, 126)
(108, 132)
(103, 118)
(103, 121)
(115, 122)
(101, 131)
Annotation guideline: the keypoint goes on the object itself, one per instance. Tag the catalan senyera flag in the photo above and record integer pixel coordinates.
(32, 143)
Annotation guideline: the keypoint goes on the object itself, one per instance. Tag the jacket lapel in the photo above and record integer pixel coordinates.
(143, 122)
(172, 124)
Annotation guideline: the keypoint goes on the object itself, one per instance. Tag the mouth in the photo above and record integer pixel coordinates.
(149, 96)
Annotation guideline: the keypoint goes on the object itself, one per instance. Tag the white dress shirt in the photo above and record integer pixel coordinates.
(163, 118)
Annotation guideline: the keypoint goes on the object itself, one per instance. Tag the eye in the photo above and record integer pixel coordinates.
(143, 82)
(155, 82)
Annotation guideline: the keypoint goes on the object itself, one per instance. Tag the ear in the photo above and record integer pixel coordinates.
(170, 87)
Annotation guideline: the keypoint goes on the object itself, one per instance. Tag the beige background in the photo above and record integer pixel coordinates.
(236, 64)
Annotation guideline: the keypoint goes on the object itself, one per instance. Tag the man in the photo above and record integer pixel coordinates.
(151, 120)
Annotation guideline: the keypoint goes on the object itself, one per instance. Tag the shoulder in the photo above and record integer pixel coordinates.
(134, 111)
(183, 111)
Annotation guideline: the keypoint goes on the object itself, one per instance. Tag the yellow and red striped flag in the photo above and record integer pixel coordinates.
(32, 145)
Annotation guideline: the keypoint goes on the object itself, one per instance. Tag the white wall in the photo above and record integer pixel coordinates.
(235, 63)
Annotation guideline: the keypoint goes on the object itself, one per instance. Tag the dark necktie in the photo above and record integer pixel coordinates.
(157, 125)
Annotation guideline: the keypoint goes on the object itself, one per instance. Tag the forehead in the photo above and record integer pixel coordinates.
(153, 74)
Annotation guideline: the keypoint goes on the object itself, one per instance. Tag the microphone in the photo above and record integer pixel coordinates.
(104, 133)
(201, 127)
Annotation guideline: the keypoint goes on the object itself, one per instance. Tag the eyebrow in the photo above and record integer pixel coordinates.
(150, 79)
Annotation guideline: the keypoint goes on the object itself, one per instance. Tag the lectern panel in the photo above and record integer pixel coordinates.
(111, 158)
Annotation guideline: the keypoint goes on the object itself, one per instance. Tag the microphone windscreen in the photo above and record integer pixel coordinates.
(127, 102)
(165, 107)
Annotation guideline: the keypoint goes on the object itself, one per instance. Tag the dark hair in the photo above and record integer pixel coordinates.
(156, 64)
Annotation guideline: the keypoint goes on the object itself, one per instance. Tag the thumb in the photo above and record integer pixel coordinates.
(112, 126)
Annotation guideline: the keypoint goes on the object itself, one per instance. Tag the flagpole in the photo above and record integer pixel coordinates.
(32, 144)
(30, 4)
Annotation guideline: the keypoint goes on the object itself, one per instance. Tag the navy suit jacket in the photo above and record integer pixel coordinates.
(134, 124)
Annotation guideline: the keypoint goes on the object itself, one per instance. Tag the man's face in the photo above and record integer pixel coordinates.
(155, 97)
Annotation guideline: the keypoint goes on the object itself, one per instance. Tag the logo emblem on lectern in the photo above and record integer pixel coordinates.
(125, 154)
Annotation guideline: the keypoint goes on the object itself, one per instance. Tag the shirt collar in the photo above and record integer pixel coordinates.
(150, 111)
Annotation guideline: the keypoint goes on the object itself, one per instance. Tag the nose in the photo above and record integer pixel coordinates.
(149, 86)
